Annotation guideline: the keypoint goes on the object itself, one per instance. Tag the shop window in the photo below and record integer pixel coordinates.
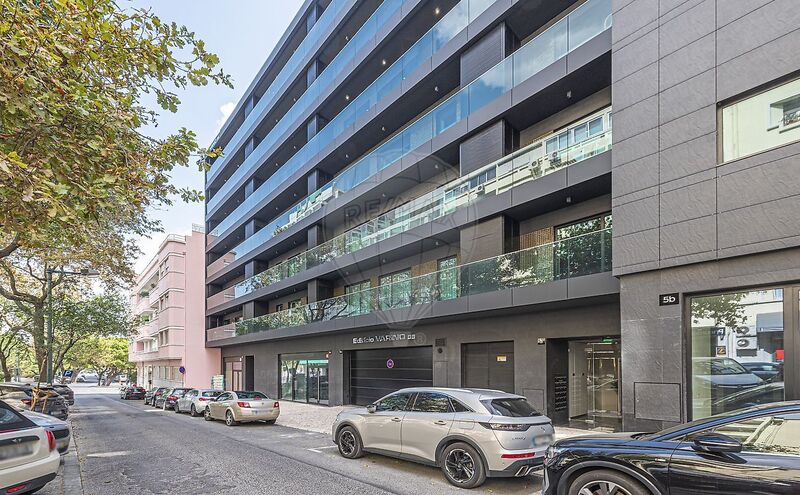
(737, 352)
(357, 297)
(395, 290)
(762, 121)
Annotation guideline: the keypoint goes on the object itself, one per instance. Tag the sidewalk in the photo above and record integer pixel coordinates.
(319, 418)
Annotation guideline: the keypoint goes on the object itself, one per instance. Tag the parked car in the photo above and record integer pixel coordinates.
(89, 376)
(469, 433)
(20, 396)
(752, 450)
(769, 372)
(169, 399)
(195, 401)
(154, 393)
(67, 393)
(60, 429)
(243, 407)
(28, 456)
(132, 392)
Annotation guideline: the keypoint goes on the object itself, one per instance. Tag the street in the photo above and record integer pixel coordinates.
(126, 447)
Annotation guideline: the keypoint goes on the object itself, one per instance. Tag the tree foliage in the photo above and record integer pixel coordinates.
(77, 172)
(107, 355)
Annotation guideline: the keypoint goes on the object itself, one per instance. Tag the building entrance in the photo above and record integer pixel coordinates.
(594, 377)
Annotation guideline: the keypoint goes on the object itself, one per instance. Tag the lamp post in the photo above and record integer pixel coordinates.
(85, 272)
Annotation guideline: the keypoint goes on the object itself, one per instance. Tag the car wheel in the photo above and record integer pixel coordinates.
(193, 411)
(603, 481)
(207, 415)
(270, 421)
(462, 466)
(349, 443)
(229, 419)
(176, 408)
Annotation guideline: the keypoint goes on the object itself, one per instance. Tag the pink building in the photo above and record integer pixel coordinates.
(169, 302)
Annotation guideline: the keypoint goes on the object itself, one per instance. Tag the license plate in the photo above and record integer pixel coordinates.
(16, 450)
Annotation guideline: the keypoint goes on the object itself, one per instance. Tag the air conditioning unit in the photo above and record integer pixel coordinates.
(747, 342)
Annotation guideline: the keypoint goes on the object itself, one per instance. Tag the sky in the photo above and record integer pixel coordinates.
(242, 33)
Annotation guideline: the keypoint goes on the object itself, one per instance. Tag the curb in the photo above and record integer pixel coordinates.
(71, 470)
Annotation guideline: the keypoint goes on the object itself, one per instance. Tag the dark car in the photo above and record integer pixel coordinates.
(753, 450)
(21, 396)
(170, 398)
(60, 429)
(151, 395)
(769, 372)
(67, 393)
(132, 392)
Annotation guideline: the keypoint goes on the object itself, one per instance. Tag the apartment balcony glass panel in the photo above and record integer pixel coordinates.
(530, 163)
(536, 265)
(446, 29)
(492, 84)
(312, 37)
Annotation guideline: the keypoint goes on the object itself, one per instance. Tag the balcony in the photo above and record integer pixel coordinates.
(325, 21)
(221, 297)
(582, 140)
(458, 18)
(411, 299)
(588, 21)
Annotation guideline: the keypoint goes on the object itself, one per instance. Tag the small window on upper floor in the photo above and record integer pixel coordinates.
(761, 121)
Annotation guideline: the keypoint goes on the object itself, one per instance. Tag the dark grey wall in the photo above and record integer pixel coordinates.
(683, 222)
(530, 358)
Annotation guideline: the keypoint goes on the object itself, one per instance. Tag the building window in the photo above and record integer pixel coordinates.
(737, 351)
(295, 303)
(447, 278)
(584, 247)
(762, 121)
(279, 307)
(395, 290)
(357, 297)
(163, 268)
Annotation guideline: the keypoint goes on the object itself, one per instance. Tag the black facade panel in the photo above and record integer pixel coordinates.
(483, 55)
(482, 148)
(371, 376)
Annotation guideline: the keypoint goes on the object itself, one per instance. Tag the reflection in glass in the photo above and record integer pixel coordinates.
(737, 350)
(304, 377)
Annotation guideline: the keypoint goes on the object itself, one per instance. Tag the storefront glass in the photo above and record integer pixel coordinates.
(304, 377)
(737, 351)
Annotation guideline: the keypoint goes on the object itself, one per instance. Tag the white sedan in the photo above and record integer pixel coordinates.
(28, 456)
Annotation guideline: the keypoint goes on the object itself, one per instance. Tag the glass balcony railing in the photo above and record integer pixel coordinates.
(581, 140)
(567, 258)
(312, 37)
(446, 29)
(586, 22)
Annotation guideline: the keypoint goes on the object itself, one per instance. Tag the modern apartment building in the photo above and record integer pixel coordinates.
(169, 346)
(421, 192)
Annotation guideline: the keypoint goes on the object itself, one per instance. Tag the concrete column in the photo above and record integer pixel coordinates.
(319, 290)
(315, 236)
(489, 238)
(316, 179)
(254, 308)
(314, 125)
(251, 186)
(313, 71)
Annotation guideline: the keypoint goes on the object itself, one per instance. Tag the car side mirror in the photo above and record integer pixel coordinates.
(371, 408)
(716, 443)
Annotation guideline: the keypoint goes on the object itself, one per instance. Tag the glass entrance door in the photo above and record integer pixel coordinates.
(318, 383)
(304, 377)
(594, 375)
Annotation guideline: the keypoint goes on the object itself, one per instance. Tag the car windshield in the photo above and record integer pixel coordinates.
(511, 407)
(251, 395)
(718, 366)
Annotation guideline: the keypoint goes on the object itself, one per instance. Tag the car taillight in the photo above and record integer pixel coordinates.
(51, 440)
(172, 397)
(16, 489)
(205, 398)
(27, 402)
(277, 404)
(243, 404)
(506, 426)
(523, 455)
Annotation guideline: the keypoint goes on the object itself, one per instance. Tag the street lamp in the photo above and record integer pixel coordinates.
(85, 272)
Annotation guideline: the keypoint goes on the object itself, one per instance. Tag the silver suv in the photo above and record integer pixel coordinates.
(469, 433)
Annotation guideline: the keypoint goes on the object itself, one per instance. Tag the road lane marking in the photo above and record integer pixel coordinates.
(118, 453)
(319, 450)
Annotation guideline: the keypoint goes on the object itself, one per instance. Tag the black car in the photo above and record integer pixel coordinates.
(753, 450)
(170, 398)
(154, 393)
(48, 401)
(67, 393)
(132, 392)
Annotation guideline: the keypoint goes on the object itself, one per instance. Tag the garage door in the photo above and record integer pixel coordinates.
(377, 372)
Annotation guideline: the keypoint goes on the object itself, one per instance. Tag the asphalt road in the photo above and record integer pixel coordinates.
(126, 447)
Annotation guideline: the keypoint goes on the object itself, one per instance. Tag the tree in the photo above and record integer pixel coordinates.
(107, 355)
(13, 324)
(77, 171)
